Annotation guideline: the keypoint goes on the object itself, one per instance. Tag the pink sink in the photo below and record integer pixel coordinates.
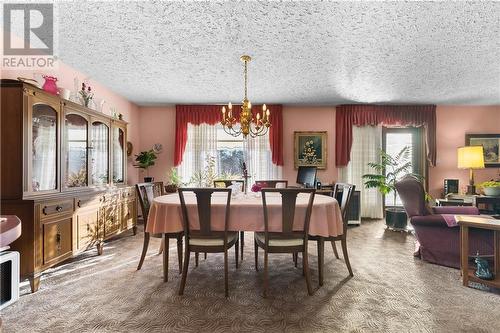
(10, 230)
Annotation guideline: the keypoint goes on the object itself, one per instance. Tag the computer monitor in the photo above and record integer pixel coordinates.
(306, 176)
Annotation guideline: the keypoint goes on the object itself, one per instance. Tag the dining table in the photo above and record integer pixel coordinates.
(246, 213)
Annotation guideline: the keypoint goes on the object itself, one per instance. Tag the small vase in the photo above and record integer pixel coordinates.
(50, 85)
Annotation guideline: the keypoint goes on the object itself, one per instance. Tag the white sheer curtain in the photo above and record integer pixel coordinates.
(259, 159)
(201, 142)
(366, 145)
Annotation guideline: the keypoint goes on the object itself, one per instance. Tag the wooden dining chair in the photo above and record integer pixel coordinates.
(158, 189)
(272, 183)
(204, 239)
(145, 193)
(224, 183)
(289, 240)
(342, 193)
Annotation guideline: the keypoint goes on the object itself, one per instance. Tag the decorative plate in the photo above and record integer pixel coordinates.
(157, 148)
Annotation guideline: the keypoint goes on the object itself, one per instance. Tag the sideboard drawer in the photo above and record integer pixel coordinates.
(56, 240)
(50, 209)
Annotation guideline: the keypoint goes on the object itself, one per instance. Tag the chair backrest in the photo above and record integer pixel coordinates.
(223, 183)
(288, 208)
(158, 189)
(342, 192)
(204, 208)
(412, 194)
(145, 194)
(272, 183)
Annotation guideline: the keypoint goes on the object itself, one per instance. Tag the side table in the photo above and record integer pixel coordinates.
(466, 222)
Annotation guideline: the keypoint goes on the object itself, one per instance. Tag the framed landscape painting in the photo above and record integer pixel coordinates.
(491, 146)
(310, 149)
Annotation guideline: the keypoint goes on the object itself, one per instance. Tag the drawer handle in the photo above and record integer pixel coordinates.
(59, 209)
(58, 240)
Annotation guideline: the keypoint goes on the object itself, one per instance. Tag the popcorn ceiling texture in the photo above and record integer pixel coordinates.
(303, 52)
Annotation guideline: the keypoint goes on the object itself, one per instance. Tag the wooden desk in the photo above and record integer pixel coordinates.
(465, 222)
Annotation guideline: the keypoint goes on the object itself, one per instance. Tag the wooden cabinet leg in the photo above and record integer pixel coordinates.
(34, 283)
(134, 230)
(100, 248)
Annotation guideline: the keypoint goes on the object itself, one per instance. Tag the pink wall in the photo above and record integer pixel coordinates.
(306, 118)
(158, 126)
(453, 122)
(130, 111)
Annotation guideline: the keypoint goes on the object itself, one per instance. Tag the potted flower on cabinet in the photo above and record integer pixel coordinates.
(174, 181)
(491, 188)
(144, 160)
(388, 171)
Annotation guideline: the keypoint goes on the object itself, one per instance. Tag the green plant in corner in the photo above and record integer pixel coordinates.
(388, 171)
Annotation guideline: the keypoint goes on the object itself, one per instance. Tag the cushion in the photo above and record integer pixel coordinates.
(279, 242)
(212, 241)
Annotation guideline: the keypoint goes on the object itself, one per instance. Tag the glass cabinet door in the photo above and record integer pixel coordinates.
(75, 138)
(44, 147)
(100, 153)
(118, 154)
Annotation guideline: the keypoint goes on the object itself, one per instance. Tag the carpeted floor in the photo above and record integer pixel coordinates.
(390, 292)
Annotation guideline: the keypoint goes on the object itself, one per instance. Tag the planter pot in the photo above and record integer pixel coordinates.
(492, 191)
(396, 218)
(149, 179)
(171, 188)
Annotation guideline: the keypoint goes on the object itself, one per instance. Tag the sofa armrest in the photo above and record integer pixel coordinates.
(456, 210)
(428, 220)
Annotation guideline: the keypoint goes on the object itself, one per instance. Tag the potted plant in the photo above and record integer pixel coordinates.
(491, 188)
(388, 171)
(174, 181)
(144, 160)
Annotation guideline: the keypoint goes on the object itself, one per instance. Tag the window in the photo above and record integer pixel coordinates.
(393, 141)
(212, 153)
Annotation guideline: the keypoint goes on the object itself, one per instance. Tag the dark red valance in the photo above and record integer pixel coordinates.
(348, 116)
(211, 114)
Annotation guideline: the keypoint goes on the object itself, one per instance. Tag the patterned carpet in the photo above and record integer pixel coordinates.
(390, 292)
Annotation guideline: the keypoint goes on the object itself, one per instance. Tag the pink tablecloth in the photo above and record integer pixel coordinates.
(246, 214)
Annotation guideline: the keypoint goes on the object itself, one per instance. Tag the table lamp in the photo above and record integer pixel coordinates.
(471, 157)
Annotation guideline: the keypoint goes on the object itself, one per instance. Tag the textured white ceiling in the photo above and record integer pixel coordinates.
(304, 52)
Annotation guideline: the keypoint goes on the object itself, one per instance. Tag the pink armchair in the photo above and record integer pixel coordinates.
(437, 233)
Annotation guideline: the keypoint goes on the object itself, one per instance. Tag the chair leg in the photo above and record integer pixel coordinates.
(295, 258)
(179, 253)
(346, 256)
(266, 273)
(162, 245)
(144, 249)
(256, 251)
(321, 260)
(196, 255)
(165, 258)
(205, 256)
(242, 237)
(335, 252)
(236, 251)
(226, 283)
(307, 274)
(182, 285)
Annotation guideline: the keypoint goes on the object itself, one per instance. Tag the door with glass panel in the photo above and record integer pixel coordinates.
(76, 149)
(99, 148)
(43, 141)
(393, 141)
(118, 145)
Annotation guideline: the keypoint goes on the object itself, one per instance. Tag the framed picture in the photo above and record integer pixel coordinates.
(491, 146)
(310, 149)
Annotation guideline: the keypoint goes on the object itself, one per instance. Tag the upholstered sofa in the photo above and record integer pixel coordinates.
(437, 233)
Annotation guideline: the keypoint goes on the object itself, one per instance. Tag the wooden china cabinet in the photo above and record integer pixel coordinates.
(63, 173)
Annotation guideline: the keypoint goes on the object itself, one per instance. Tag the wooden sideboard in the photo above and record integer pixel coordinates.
(63, 174)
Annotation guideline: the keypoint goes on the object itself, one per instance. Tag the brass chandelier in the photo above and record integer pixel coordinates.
(257, 126)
